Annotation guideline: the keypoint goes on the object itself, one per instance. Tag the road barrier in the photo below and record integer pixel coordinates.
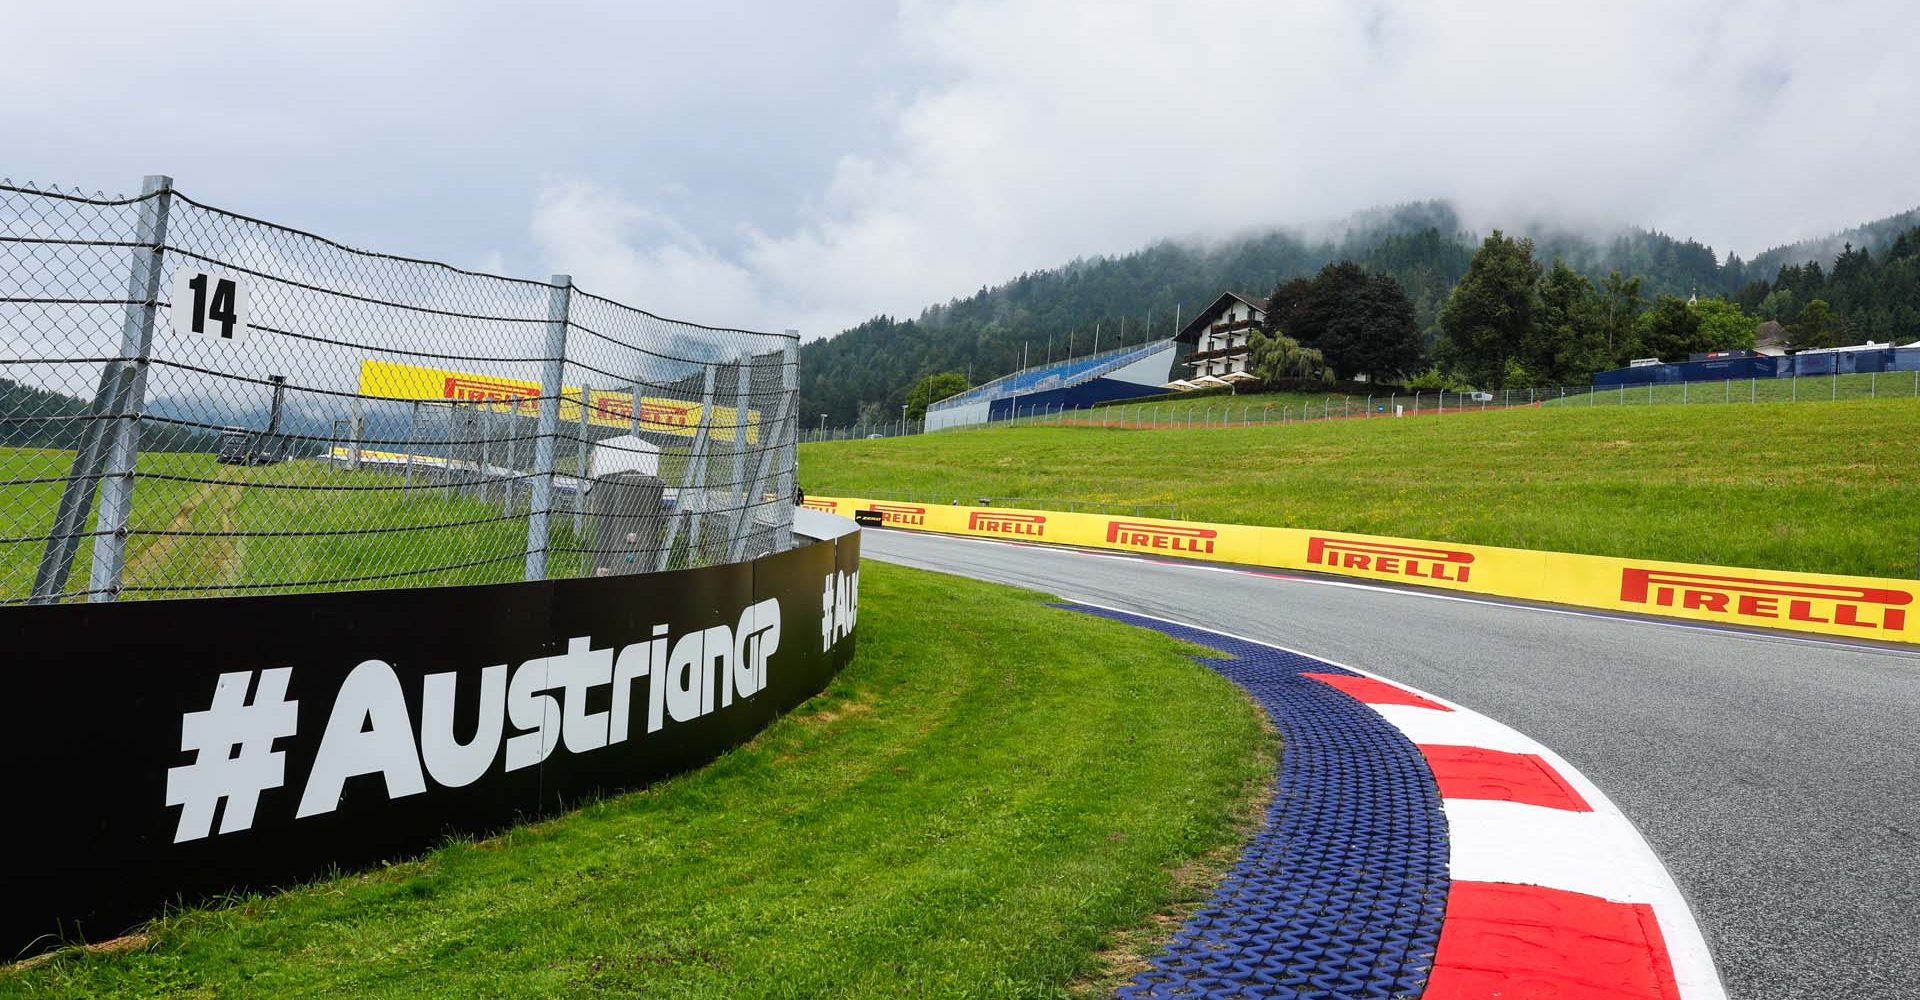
(1851, 606)
(279, 738)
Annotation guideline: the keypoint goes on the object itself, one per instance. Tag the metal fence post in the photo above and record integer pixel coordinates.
(1794, 389)
(123, 433)
(559, 303)
(413, 430)
(695, 472)
(772, 432)
(784, 484)
(742, 392)
(580, 457)
(356, 423)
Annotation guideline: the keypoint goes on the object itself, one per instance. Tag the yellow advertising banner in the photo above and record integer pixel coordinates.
(1860, 607)
(392, 380)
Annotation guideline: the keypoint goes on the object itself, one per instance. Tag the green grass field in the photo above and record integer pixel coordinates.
(478, 545)
(1262, 408)
(993, 800)
(1833, 487)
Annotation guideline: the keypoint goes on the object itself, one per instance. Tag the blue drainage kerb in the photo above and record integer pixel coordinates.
(1341, 893)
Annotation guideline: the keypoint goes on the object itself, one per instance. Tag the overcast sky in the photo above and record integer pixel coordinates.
(809, 165)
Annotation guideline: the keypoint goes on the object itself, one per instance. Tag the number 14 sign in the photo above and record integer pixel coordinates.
(210, 304)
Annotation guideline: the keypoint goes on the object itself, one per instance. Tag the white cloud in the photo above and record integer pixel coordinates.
(774, 165)
(619, 249)
(1063, 129)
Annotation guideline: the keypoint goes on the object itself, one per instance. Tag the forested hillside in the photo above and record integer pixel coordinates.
(1126, 299)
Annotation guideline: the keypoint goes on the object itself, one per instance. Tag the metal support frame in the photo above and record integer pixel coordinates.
(559, 303)
(122, 435)
(743, 515)
(581, 454)
(356, 425)
(736, 486)
(413, 431)
(784, 484)
(696, 472)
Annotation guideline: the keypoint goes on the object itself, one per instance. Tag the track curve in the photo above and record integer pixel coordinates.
(1774, 776)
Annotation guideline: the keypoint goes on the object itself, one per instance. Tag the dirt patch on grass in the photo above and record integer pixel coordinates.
(218, 557)
(831, 714)
(126, 942)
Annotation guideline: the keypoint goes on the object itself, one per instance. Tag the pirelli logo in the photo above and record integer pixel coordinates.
(668, 414)
(900, 514)
(613, 406)
(992, 522)
(1161, 538)
(824, 506)
(468, 389)
(1758, 600)
(1417, 561)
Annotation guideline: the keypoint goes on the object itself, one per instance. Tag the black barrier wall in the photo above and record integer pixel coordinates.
(172, 751)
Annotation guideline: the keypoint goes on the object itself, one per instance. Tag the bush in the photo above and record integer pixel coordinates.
(1433, 378)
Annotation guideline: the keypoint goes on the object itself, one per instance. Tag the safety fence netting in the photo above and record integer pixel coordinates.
(194, 403)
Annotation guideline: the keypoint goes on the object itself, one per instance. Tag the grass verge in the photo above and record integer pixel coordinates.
(1827, 488)
(307, 520)
(994, 800)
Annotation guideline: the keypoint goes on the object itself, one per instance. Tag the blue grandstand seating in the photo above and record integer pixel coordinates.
(1054, 376)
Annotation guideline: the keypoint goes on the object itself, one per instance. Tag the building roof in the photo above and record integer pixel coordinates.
(1770, 334)
(1191, 332)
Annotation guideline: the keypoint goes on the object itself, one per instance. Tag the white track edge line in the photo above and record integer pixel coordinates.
(1693, 966)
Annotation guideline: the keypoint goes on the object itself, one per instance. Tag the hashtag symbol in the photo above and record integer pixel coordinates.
(233, 755)
(826, 615)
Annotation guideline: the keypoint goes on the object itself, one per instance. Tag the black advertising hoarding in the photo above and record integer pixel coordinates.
(171, 751)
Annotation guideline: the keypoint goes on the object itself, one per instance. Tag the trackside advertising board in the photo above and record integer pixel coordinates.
(391, 380)
(174, 751)
(1859, 607)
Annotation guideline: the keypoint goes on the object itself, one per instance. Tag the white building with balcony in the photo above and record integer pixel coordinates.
(1218, 336)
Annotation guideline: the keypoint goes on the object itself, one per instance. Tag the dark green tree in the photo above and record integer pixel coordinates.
(1723, 326)
(1287, 307)
(1622, 303)
(1670, 330)
(933, 389)
(1817, 326)
(1361, 322)
(1490, 314)
(1569, 342)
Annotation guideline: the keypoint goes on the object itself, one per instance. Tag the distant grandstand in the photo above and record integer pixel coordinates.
(1141, 370)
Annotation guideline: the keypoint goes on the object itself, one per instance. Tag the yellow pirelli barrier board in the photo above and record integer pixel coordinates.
(1860, 607)
(391, 380)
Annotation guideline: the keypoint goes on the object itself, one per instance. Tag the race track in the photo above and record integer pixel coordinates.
(1777, 778)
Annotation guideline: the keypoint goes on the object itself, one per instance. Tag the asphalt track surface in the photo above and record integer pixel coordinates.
(1778, 778)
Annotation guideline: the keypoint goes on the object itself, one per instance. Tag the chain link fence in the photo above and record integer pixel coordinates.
(198, 403)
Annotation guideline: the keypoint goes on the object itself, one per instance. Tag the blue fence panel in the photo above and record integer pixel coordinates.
(1886, 359)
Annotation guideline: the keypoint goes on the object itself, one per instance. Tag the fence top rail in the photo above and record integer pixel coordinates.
(100, 199)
